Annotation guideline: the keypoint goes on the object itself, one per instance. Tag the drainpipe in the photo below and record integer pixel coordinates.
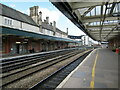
(54, 27)
(40, 21)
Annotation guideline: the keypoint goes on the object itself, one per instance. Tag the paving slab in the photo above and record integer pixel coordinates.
(106, 71)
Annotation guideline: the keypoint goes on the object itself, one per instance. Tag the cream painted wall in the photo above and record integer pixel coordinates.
(64, 36)
(0, 20)
(16, 24)
(19, 25)
(3, 21)
(27, 27)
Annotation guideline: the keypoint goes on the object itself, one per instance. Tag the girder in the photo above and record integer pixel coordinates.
(98, 19)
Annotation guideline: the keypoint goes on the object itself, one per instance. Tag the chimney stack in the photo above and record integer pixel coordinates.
(40, 15)
(34, 13)
(31, 11)
(47, 20)
(40, 21)
(40, 18)
(54, 27)
(50, 23)
(44, 20)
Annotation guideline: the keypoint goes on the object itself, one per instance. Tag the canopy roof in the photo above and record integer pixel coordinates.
(99, 19)
(10, 31)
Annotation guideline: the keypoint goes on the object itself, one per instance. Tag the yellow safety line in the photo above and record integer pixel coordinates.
(93, 73)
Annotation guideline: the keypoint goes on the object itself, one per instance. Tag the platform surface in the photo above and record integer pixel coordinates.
(98, 70)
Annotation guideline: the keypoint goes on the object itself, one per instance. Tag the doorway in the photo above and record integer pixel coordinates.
(18, 48)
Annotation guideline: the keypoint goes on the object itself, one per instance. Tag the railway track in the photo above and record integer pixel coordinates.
(31, 69)
(8, 65)
(53, 80)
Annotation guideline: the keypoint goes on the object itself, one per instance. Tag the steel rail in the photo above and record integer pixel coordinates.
(34, 69)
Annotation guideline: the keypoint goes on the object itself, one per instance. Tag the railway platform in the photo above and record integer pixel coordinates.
(37, 53)
(98, 70)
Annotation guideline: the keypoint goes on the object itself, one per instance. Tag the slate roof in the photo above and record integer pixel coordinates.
(49, 27)
(14, 14)
(17, 15)
(46, 26)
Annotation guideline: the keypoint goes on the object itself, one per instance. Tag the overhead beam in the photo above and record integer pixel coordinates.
(69, 8)
(101, 21)
(102, 36)
(88, 11)
(98, 29)
(78, 5)
(97, 19)
(78, 14)
(112, 8)
(105, 32)
(111, 31)
(98, 26)
(104, 17)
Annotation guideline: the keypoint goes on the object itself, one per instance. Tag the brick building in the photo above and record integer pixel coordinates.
(22, 33)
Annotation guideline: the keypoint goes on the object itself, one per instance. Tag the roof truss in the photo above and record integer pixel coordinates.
(100, 19)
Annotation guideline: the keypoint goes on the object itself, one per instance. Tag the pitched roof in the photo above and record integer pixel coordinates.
(49, 27)
(14, 14)
(62, 32)
(46, 26)
(17, 15)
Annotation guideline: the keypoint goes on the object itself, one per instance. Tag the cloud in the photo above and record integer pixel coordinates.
(28, 11)
(12, 5)
(53, 15)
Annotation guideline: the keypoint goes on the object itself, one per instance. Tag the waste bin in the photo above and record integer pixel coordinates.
(118, 50)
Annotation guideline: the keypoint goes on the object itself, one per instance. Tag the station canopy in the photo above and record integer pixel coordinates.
(99, 19)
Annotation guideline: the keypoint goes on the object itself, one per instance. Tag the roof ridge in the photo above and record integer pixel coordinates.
(13, 9)
(17, 15)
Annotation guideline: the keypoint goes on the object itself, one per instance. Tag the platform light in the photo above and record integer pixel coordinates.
(25, 42)
(18, 42)
(25, 39)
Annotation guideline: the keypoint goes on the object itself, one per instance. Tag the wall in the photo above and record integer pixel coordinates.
(114, 43)
(1, 20)
(47, 32)
(19, 25)
(27, 27)
(30, 28)
(58, 34)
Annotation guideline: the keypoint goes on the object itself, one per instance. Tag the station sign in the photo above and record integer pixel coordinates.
(74, 37)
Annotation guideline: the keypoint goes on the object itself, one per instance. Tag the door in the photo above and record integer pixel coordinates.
(18, 48)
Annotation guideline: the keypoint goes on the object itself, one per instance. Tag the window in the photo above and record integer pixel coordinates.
(8, 22)
(5, 21)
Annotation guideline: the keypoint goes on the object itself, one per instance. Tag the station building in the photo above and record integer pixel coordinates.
(23, 34)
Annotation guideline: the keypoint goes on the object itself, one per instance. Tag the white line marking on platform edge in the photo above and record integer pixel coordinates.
(66, 79)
